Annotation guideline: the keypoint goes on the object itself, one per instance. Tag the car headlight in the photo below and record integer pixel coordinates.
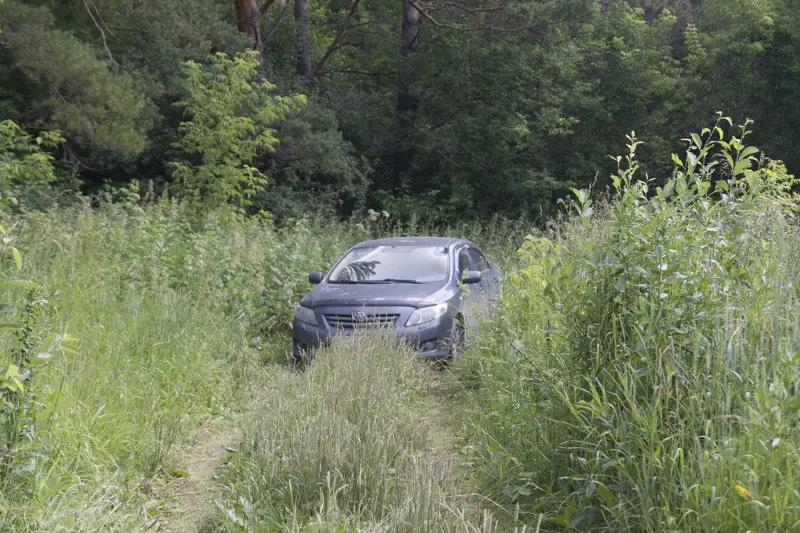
(426, 314)
(304, 314)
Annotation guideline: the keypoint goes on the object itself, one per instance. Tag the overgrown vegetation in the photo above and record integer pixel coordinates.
(348, 445)
(642, 375)
(174, 310)
(639, 374)
(164, 345)
(170, 173)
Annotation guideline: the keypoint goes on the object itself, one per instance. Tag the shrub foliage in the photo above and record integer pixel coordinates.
(643, 376)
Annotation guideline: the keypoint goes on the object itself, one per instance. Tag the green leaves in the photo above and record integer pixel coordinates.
(67, 86)
(583, 205)
(231, 111)
(17, 257)
(10, 380)
(24, 163)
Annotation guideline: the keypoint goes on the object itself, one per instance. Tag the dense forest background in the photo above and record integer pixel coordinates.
(434, 109)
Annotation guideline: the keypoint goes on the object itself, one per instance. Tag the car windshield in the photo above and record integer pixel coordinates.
(393, 264)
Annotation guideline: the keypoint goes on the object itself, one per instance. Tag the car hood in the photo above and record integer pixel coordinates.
(400, 294)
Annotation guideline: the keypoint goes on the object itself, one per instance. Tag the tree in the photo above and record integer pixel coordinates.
(174, 32)
(248, 15)
(231, 112)
(303, 19)
(465, 15)
(313, 169)
(53, 80)
(407, 91)
(24, 164)
(749, 65)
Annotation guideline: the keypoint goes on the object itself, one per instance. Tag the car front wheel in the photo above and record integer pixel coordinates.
(300, 354)
(457, 339)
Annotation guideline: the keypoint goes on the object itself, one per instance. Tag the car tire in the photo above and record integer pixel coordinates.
(457, 339)
(299, 356)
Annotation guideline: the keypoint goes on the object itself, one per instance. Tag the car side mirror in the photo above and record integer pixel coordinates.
(471, 276)
(315, 277)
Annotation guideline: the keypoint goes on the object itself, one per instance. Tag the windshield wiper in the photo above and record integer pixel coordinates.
(375, 281)
(362, 282)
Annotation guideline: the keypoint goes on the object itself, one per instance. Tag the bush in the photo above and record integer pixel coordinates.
(643, 375)
(26, 170)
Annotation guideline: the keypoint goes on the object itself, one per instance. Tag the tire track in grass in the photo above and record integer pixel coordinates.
(435, 491)
(193, 493)
(476, 512)
(193, 496)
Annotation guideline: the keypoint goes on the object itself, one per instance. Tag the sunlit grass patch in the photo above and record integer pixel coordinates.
(345, 443)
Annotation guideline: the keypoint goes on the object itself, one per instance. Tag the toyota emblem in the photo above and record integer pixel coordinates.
(360, 316)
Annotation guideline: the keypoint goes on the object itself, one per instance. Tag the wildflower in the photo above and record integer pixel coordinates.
(743, 492)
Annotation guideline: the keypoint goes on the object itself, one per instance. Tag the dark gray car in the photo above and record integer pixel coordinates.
(408, 284)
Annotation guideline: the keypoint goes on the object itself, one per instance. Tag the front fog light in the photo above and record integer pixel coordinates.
(426, 314)
(304, 314)
(428, 346)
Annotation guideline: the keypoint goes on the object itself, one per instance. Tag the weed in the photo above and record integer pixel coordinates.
(643, 375)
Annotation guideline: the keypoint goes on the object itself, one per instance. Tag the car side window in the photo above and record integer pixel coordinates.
(478, 259)
(464, 262)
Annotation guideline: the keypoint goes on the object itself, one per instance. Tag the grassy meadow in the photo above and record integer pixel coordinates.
(641, 372)
(176, 322)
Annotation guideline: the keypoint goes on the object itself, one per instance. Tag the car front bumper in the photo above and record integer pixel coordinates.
(431, 340)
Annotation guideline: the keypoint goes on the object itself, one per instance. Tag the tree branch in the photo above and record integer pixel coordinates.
(103, 22)
(367, 23)
(362, 72)
(102, 33)
(426, 14)
(453, 6)
(461, 7)
(280, 20)
(333, 47)
(266, 6)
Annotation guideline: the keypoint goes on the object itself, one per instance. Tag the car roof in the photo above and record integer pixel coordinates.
(413, 241)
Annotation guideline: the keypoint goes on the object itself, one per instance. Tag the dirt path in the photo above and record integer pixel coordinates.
(476, 513)
(192, 497)
(440, 411)
(193, 494)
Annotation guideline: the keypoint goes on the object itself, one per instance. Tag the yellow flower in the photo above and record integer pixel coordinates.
(743, 492)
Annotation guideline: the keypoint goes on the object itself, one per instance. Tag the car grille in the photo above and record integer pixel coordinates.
(354, 320)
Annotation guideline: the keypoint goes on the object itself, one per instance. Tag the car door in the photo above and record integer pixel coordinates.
(470, 294)
(487, 292)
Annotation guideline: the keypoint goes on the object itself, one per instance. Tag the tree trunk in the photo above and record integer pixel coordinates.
(248, 15)
(407, 93)
(304, 31)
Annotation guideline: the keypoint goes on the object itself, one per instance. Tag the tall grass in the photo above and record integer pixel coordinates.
(166, 314)
(173, 315)
(348, 445)
(643, 375)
